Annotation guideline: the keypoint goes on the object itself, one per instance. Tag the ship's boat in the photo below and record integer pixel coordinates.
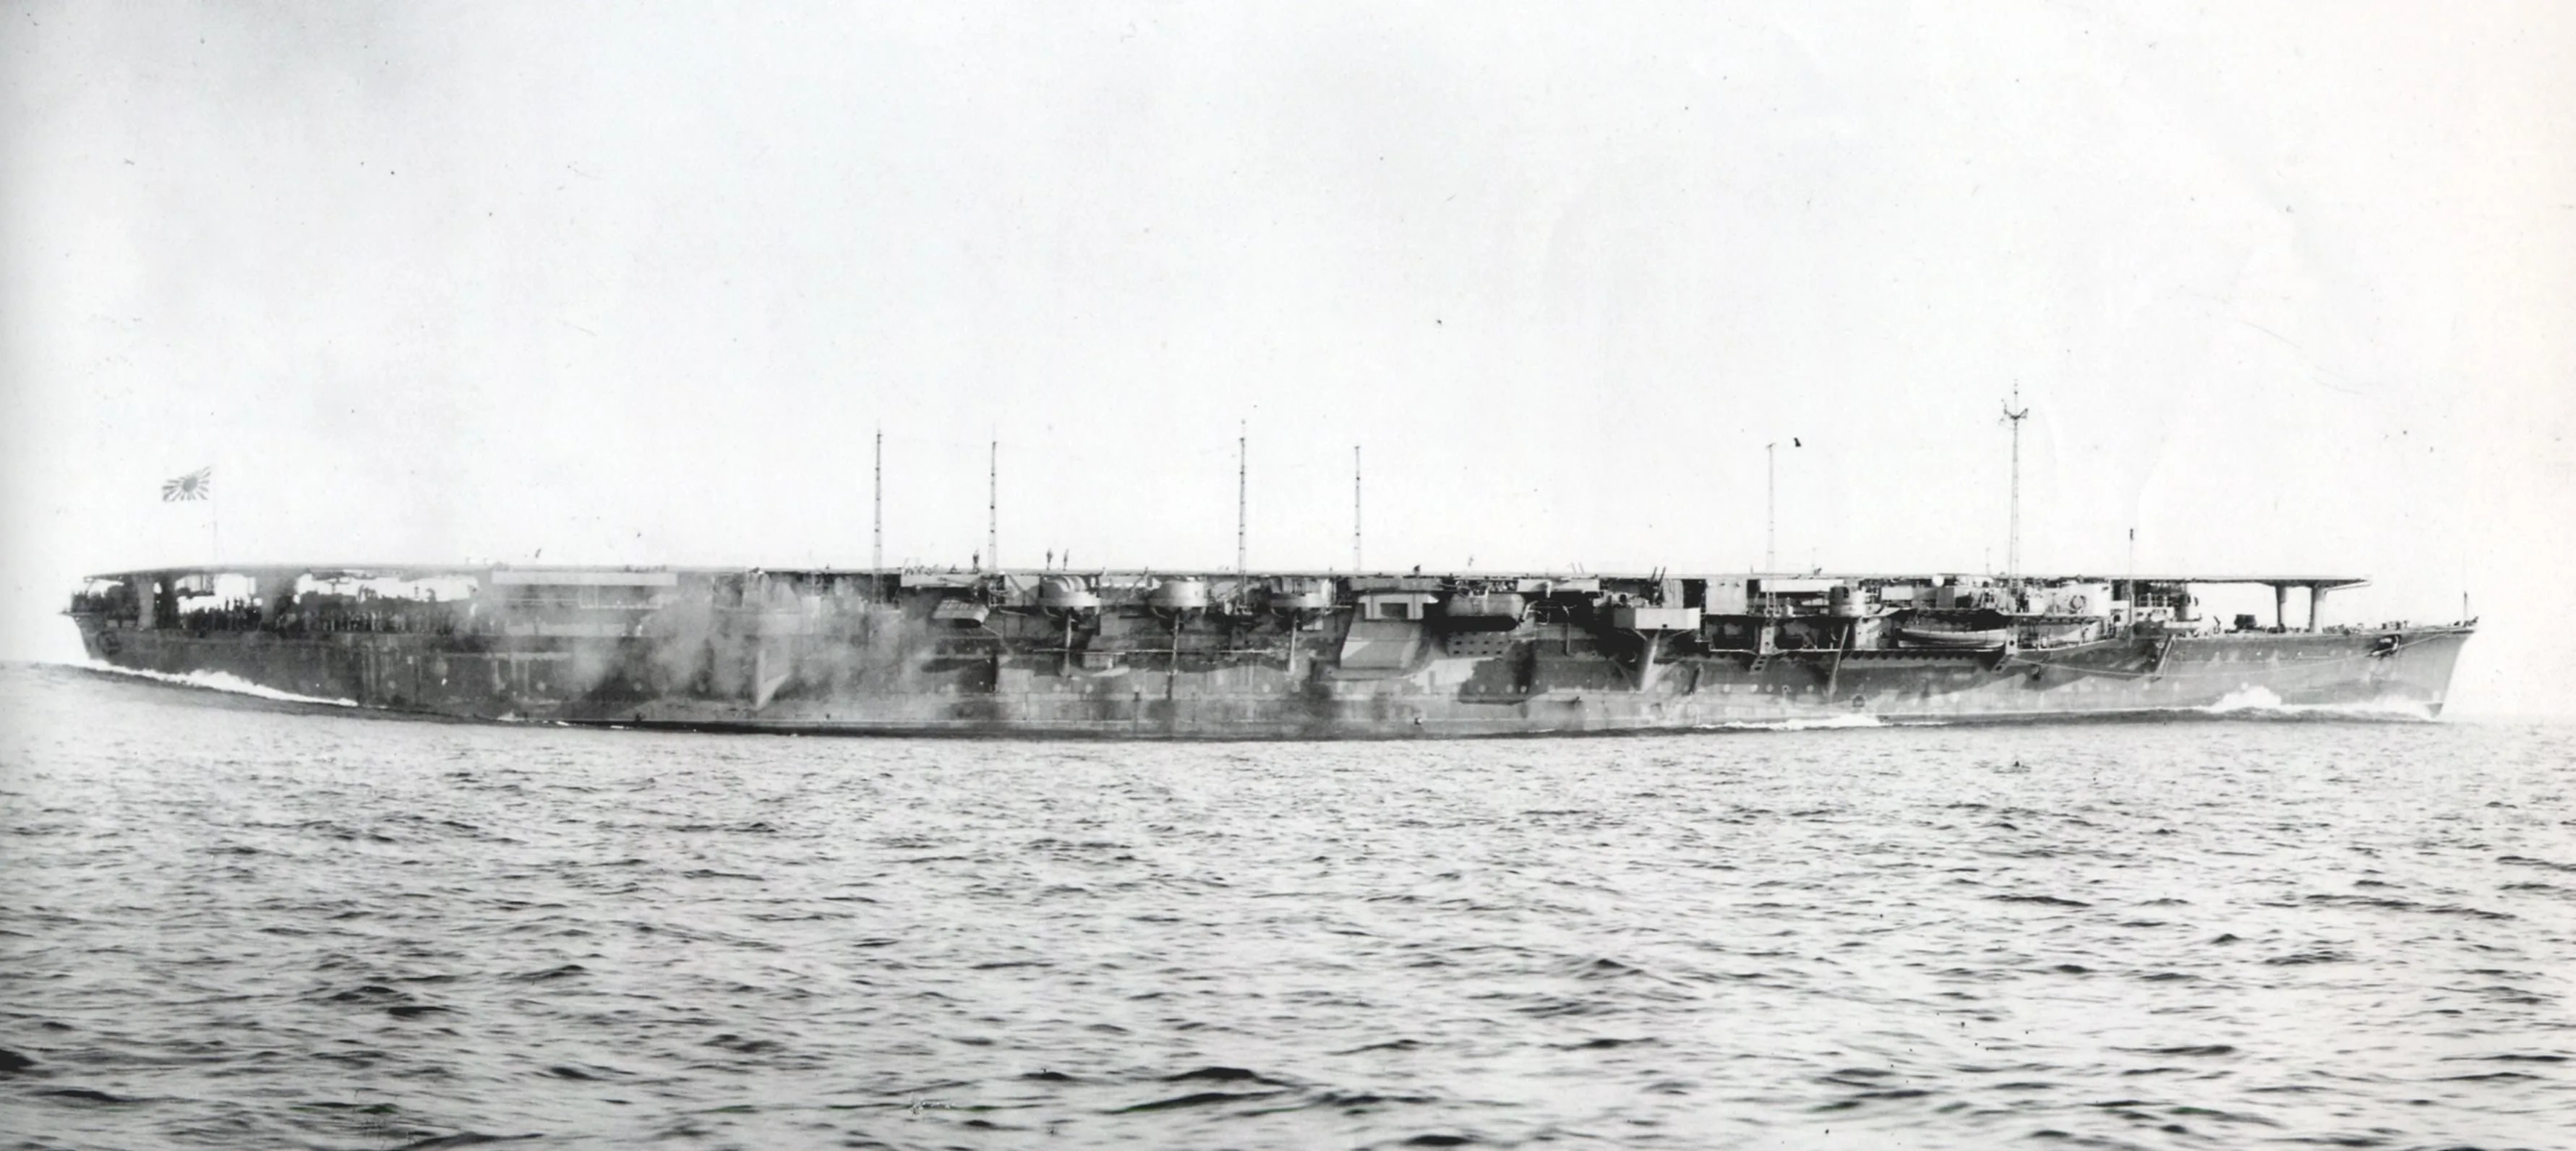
(1953, 639)
(1971, 630)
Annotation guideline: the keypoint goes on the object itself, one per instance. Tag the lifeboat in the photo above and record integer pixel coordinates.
(1960, 631)
(1954, 640)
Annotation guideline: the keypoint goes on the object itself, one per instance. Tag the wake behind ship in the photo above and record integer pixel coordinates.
(1243, 655)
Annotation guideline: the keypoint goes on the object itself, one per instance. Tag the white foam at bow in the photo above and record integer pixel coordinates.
(1855, 719)
(2262, 700)
(217, 681)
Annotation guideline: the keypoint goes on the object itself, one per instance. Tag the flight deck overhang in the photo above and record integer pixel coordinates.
(561, 573)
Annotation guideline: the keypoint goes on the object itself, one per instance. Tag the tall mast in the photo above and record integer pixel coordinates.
(2132, 595)
(1242, 485)
(2012, 536)
(1771, 507)
(1355, 509)
(876, 554)
(993, 507)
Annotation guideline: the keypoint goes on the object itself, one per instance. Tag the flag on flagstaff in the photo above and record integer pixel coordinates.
(196, 485)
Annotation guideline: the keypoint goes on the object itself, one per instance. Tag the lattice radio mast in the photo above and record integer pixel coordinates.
(1242, 488)
(1355, 509)
(876, 553)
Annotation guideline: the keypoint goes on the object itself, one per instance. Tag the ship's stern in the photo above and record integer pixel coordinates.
(104, 610)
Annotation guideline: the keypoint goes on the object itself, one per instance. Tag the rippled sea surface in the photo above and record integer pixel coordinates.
(228, 922)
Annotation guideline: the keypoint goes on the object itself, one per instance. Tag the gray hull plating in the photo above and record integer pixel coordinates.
(904, 678)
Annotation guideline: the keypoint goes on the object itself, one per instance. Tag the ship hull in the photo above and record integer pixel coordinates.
(898, 684)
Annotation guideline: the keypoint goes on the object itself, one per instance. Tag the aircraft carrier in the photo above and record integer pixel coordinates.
(1249, 655)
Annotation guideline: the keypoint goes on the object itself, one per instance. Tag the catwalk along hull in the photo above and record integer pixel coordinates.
(1213, 657)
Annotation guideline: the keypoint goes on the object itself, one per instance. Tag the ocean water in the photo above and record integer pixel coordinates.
(228, 921)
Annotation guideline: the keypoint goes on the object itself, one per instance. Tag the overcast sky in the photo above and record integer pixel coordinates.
(2288, 288)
